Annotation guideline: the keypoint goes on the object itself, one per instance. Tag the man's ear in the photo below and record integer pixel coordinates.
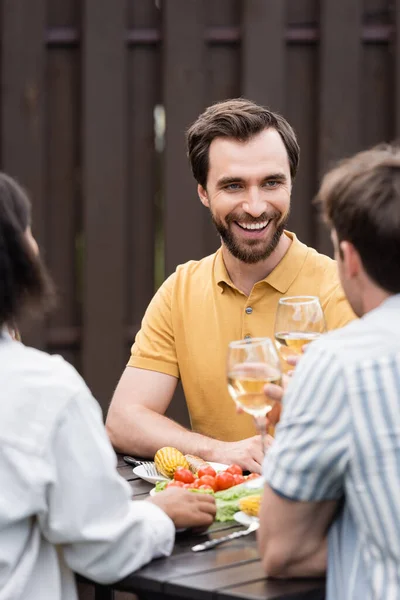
(350, 258)
(202, 192)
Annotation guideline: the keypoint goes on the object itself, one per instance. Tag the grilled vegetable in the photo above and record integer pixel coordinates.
(195, 463)
(250, 505)
(168, 459)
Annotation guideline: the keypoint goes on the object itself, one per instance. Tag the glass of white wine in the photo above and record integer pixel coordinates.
(253, 363)
(299, 320)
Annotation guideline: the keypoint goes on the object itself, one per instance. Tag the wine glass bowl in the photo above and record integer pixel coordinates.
(251, 365)
(299, 320)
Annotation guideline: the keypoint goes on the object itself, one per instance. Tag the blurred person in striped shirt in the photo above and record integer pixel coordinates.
(333, 473)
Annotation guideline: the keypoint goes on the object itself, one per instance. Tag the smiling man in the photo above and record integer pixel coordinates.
(244, 159)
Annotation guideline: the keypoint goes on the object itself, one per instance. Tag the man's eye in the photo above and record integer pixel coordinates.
(233, 186)
(271, 184)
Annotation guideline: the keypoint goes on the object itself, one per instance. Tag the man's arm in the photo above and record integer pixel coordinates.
(292, 541)
(136, 423)
(305, 467)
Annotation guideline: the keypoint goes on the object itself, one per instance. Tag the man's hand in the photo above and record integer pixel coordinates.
(247, 453)
(186, 509)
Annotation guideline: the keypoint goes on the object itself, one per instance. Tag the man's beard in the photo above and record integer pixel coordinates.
(251, 251)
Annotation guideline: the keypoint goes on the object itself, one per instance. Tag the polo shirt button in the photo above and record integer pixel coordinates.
(249, 310)
(247, 337)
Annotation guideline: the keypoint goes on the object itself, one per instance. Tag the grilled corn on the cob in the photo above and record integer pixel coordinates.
(250, 505)
(168, 459)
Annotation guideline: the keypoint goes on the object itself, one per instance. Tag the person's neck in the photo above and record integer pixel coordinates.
(244, 276)
(374, 296)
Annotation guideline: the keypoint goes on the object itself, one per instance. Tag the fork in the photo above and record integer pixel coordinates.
(227, 538)
(148, 465)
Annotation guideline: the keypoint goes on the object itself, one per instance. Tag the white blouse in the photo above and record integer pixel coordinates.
(63, 506)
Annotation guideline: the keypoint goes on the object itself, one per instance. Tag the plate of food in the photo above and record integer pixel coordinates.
(167, 460)
(149, 473)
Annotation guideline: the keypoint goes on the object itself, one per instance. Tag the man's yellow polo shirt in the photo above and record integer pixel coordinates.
(198, 311)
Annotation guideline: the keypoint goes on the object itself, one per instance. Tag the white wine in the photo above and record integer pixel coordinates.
(248, 391)
(290, 343)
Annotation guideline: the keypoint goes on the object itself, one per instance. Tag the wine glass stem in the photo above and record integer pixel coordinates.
(262, 428)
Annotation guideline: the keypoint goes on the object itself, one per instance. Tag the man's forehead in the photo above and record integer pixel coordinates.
(264, 149)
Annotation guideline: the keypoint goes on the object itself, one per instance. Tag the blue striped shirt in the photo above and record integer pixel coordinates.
(339, 438)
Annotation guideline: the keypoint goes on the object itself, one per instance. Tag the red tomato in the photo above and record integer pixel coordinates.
(174, 483)
(196, 483)
(184, 475)
(224, 480)
(208, 480)
(238, 479)
(253, 476)
(207, 470)
(234, 469)
(206, 487)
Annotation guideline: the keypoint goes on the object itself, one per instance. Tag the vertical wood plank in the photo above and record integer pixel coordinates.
(263, 53)
(104, 193)
(397, 71)
(183, 84)
(301, 112)
(144, 91)
(63, 187)
(340, 80)
(22, 112)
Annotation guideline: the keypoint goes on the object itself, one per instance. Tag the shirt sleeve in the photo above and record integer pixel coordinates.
(308, 459)
(154, 348)
(337, 309)
(103, 533)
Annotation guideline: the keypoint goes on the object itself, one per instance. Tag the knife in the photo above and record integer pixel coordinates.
(232, 536)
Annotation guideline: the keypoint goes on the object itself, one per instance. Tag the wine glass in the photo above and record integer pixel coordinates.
(251, 364)
(299, 320)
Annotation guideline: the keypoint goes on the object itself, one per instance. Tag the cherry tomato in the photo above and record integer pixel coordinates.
(253, 476)
(184, 475)
(238, 479)
(207, 470)
(224, 480)
(174, 483)
(234, 469)
(196, 483)
(208, 480)
(206, 487)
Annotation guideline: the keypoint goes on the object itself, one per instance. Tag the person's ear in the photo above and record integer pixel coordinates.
(202, 192)
(350, 259)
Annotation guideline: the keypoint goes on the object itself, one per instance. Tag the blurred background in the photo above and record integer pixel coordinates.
(96, 96)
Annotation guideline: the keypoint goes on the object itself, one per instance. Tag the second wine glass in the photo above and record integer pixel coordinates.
(299, 320)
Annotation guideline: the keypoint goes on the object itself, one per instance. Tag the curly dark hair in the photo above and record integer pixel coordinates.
(25, 285)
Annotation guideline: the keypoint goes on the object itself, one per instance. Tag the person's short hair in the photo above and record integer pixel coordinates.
(360, 200)
(25, 285)
(238, 119)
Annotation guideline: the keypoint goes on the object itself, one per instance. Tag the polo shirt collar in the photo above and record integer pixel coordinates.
(281, 278)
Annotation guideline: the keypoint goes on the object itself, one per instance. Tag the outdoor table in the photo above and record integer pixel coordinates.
(228, 572)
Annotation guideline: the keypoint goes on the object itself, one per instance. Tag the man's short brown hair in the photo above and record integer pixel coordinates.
(360, 199)
(239, 119)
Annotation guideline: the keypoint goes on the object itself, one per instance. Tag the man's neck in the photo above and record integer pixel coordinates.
(244, 275)
(374, 296)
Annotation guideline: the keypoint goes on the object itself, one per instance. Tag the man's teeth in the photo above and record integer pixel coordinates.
(254, 225)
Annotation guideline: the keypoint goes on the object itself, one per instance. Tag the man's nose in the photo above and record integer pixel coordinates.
(254, 204)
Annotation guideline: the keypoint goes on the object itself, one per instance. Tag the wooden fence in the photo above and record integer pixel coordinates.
(85, 86)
